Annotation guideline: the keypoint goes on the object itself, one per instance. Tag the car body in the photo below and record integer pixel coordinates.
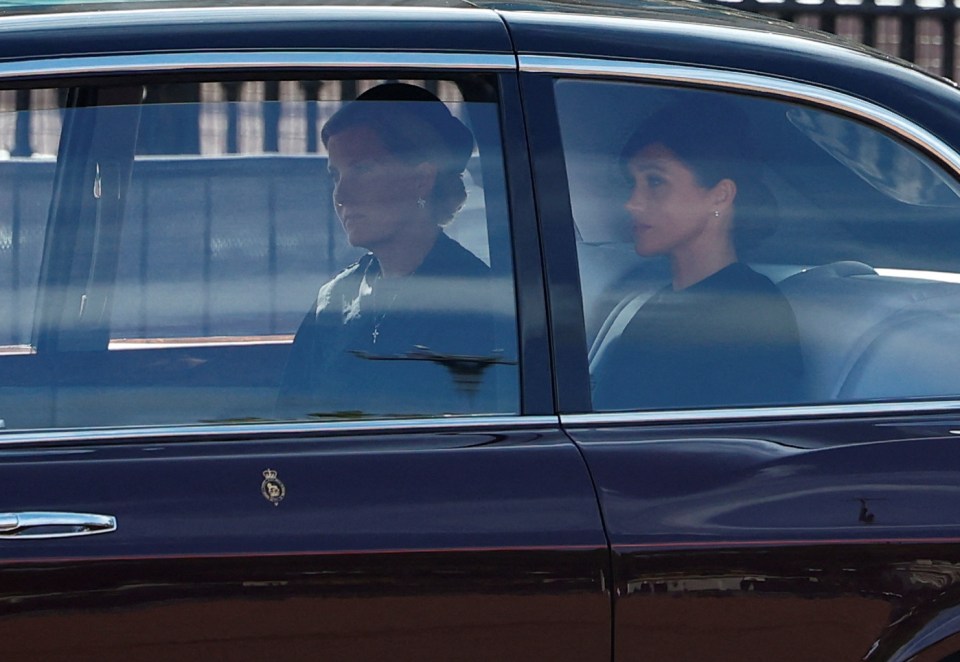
(167, 225)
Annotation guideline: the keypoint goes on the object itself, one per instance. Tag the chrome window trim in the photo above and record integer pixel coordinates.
(248, 431)
(784, 90)
(257, 61)
(176, 16)
(760, 413)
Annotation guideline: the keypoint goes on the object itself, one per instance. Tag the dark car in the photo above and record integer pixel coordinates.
(269, 393)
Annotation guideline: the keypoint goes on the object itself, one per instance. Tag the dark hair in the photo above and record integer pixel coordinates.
(713, 138)
(415, 126)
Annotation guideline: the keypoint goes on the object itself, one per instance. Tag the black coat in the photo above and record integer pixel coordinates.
(420, 344)
(730, 339)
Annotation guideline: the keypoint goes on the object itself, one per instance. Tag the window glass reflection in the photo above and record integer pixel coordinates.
(737, 251)
(197, 271)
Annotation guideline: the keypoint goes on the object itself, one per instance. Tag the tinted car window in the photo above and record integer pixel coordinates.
(191, 237)
(740, 251)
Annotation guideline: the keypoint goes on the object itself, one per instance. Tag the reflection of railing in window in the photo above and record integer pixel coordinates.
(34, 129)
(247, 125)
(208, 119)
(211, 245)
(224, 246)
(252, 117)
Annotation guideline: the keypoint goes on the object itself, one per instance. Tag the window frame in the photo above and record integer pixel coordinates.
(536, 400)
(538, 75)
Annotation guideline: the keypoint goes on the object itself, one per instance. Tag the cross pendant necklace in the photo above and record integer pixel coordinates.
(380, 315)
(379, 319)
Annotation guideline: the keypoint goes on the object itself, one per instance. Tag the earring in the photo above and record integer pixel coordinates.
(716, 213)
(421, 202)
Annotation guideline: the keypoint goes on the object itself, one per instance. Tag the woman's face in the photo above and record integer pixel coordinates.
(375, 193)
(670, 210)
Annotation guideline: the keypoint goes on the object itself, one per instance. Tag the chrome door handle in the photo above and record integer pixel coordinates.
(30, 526)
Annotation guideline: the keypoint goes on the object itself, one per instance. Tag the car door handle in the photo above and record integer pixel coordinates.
(34, 525)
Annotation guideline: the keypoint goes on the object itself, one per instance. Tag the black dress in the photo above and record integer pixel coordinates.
(420, 344)
(730, 339)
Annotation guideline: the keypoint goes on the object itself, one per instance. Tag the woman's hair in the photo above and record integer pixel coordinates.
(415, 126)
(713, 138)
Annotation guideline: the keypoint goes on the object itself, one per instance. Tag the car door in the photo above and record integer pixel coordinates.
(157, 505)
(745, 523)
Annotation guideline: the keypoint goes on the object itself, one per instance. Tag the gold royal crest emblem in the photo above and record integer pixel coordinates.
(272, 488)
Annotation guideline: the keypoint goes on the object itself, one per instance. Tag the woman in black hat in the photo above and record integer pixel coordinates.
(384, 332)
(720, 334)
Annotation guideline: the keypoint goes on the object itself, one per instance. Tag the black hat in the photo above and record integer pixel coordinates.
(411, 121)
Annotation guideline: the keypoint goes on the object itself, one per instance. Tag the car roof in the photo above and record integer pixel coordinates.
(574, 25)
(672, 9)
(132, 14)
(625, 7)
(648, 31)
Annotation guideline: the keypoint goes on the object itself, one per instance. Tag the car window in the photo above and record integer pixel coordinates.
(196, 268)
(741, 251)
